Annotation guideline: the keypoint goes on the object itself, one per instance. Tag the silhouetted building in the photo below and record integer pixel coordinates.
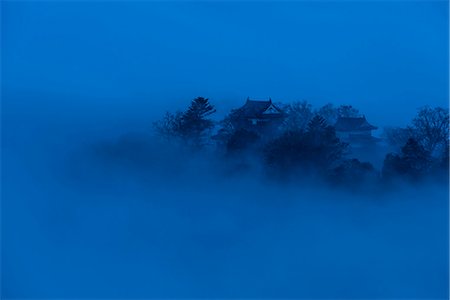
(259, 116)
(355, 130)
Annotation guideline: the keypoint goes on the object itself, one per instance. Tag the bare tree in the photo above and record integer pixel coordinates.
(329, 113)
(298, 115)
(398, 136)
(431, 128)
(169, 126)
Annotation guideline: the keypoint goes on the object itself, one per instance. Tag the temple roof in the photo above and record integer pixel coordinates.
(256, 108)
(353, 124)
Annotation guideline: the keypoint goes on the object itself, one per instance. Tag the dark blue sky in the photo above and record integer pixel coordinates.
(385, 57)
(93, 208)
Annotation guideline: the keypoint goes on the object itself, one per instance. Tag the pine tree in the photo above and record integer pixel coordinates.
(415, 157)
(194, 122)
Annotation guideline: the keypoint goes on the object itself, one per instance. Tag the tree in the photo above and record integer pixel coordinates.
(352, 172)
(190, 126)
(398, 136)
(227, 124)
(329, 113)
(169, 126)
(194, 121)
(393, 167)
(347, 111)
(441, 166)
(444, 157)
(322, 139)
(241, 139)
(415, 156)
(298, 115)
(431, 128)
(413, 162)
(317, 125)
(284, 154)
(315, 149)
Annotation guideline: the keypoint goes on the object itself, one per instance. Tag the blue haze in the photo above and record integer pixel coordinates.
(80, 74)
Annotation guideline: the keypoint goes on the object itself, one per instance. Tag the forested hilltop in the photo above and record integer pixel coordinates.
(294, 140)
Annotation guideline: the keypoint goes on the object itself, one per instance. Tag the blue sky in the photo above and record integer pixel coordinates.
(385, 57)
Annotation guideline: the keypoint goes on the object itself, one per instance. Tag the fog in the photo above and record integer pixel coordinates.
(386, 57)
(93, 206)
(93, 209)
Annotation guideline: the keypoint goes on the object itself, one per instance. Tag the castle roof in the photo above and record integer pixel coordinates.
(353, 124)
(257, 108)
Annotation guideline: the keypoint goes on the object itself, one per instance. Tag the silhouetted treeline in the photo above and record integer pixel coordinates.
(305, 143)
(316, 148)
(191, 126)
(422, 148)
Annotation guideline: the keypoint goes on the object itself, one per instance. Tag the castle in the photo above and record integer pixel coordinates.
(355, 130)
(259, 116)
